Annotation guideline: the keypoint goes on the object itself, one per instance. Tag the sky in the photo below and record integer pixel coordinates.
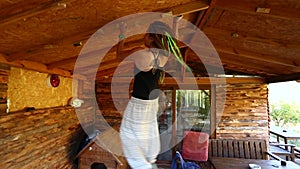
(284, 91)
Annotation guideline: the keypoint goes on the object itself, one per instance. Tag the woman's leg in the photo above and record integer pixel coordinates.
(134, 152)
(139, 134)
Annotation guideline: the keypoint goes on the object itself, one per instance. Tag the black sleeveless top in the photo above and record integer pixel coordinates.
(145, 83)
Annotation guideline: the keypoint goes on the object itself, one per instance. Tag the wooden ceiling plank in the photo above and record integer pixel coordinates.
(83, 36)
(68, 41)
(254, 27)
(222, 46)
(278, 9)
(29, 13)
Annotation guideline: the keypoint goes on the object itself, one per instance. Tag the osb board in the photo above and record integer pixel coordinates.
(29, 89)
(258, 39)
(10, 8)
(265, 41)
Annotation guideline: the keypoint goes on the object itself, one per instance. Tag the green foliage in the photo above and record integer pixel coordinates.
(196, 99)
(283, 113)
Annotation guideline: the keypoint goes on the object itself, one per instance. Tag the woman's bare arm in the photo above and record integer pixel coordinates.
(121, 53)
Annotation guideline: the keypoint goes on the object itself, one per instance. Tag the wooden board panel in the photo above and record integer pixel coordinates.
(249, 42)
(11, 9)
(256, 28)
(278, 8)
(250, 66)
(42, 29)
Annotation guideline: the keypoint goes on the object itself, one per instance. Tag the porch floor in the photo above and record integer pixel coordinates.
(167, 165)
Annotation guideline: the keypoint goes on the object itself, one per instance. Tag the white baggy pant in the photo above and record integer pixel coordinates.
(139, 133)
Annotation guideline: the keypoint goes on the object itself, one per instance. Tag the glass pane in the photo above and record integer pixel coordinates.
(192, 111)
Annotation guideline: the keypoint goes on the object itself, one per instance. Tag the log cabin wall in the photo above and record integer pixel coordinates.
(37, 138)
(245, 113)
(4, 73)
(44, 138)
(110, 109)
(86, 113)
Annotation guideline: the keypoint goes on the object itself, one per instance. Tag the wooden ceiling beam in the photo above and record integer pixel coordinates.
(202, 18)
(35, 66)
(191, 7)
(93, 54)
(128, 46)
(283, 78)
(200, 21)
(108, 73)
(264, 59)
(197, 80)
(61, 62)
(68, 41)
(235, 62)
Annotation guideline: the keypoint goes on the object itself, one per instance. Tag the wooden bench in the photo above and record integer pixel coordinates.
(248, 149)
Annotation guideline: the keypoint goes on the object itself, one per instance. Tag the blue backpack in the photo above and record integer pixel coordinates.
(183, 164)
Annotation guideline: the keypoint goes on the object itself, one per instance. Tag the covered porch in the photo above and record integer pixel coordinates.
(62, 85)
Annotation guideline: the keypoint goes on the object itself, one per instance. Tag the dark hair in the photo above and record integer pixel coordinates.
(163, 38)
(157, 30)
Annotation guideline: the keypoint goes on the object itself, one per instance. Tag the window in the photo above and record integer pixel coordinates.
(181, 110)
(193, 110)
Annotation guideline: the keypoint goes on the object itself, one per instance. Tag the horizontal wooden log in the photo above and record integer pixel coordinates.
(197, 80)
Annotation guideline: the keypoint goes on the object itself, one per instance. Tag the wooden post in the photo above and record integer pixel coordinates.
(174, 120)
(213, 116)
